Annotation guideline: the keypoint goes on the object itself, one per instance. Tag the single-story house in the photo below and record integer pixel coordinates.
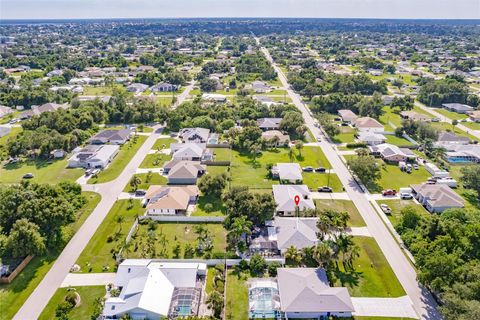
(111, 136)
(457, 107)
(137, 87)
(185, 172)
(474, 115)
(4, 111)
(57, 153)
(371, 138)
(191, 151)
(447, 138)
(415, 116)
(93, 156)
(269, 123)
(306, 293)
(37, 110)
(437, 197)
(270, 135)
(392, 153)
(458, 153)
(284, 196)
(164, 87)
(215, 97)
(170, 200)
(260, 87)
(289, 231)
(4, 131)
(368, 124)
(199, 135)
(287, 172)
(265, 100)
(348, 116)
(152, 289)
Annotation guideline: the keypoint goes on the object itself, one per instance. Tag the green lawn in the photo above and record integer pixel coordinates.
(155, 160)
(472, 125)
(216, 202)
(372, 277)
(448, 126)
(356, 219)
(13, 132)
(88, 296)
(222, 154)
(181, 233)
(43, 171)
(109, 237)
(98, 91)
(214, 170)
(314, 180)
(13, 295)
(397, 205)
(246, 172)
(398, 141)
(389, 117)
(126, 153)
(237, 297)
(155, 179)
(163, 143)
(209, 282)
(347, 135)
(394, 178)
(451, 115)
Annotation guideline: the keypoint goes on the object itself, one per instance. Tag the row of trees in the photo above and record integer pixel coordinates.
(364, 106)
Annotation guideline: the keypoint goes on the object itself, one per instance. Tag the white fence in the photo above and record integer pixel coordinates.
(184, 219)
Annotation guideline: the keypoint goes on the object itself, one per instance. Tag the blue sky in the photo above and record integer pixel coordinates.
(54, 9)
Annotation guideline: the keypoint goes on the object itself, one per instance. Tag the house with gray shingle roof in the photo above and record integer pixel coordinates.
(269, 123)
(437, 197)
(185, 172)
(298, 232)
(306, 293)
(284, 195)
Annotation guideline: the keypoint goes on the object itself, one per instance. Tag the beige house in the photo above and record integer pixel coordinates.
(170, 200)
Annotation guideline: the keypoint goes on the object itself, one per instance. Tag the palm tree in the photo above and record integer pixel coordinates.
(454, 123)
(323, 253)
(351, 254)
(344, 244)
(239, 227)
(120, 220)
(254, 151)
(437, 153)
(135, 182)
(299, 147)
(324, 227)
(293, 255)
(291, 154)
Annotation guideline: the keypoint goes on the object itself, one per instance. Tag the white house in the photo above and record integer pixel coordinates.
(371, 138)
(93, 156)
(284, 195)
(368, 124)
(151, 289)
(437, 197)
(287, 172)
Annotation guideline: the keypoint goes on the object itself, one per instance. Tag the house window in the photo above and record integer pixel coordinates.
(129, 269)
(113, 307)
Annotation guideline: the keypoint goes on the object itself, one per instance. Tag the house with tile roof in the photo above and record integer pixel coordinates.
(170, 200)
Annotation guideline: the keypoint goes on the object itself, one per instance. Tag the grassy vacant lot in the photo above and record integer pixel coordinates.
(372, 277)
(43, 171)
(237, 297)
(13, 132)
(98, 91)
(245, 171)
(127, 151)
(314, 180)
(13, 295)
(155, 160)
(398, 141)
(397, 206)
(356, 219)
(181, 233)
(163, 143)
(88, 295)
(450, 114)
(394, 178)
(347, 135)
(155, 179)
(109, 237)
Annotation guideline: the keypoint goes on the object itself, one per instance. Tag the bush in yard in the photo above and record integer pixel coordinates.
(208, 207)
(356, 145)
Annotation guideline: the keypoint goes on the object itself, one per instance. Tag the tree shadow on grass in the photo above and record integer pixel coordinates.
(471, 198)
(214, 201)
(348, 278)
(38, 163)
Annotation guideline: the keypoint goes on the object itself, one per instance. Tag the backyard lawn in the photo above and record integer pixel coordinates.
(155, 179)
(108, 238)
(43, 171)
(397, 205)
(347, 135)
(355, 220)
(398, 141)
(237, 297)
(245, 171)
(127, 151)
(175, 233)
(214, 170)
(394, 178)
(88, 296)
(13, 295)
(372, 277)
(222, 154)
(217, 206)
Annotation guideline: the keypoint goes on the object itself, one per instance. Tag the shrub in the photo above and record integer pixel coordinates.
(208, 207)
(354, 145)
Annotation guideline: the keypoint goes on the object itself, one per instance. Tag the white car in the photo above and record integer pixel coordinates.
(385, 208)
(406, 196)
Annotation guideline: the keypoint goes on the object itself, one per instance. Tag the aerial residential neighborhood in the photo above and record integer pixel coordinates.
(238, 168)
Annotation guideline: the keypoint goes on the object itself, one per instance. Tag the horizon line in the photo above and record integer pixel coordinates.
(239, 17)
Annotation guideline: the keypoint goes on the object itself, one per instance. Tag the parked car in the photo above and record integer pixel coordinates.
(307, 169)
(389, 192)
(28, 176)
(88, 172)
(325, 189)
(13, 160)
(320, 169)
(415, 166)
(385, 208)
(140, 192)
(405, 196)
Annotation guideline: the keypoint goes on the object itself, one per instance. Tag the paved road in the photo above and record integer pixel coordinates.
(460, 126)
(423, 303)
(182, 96)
